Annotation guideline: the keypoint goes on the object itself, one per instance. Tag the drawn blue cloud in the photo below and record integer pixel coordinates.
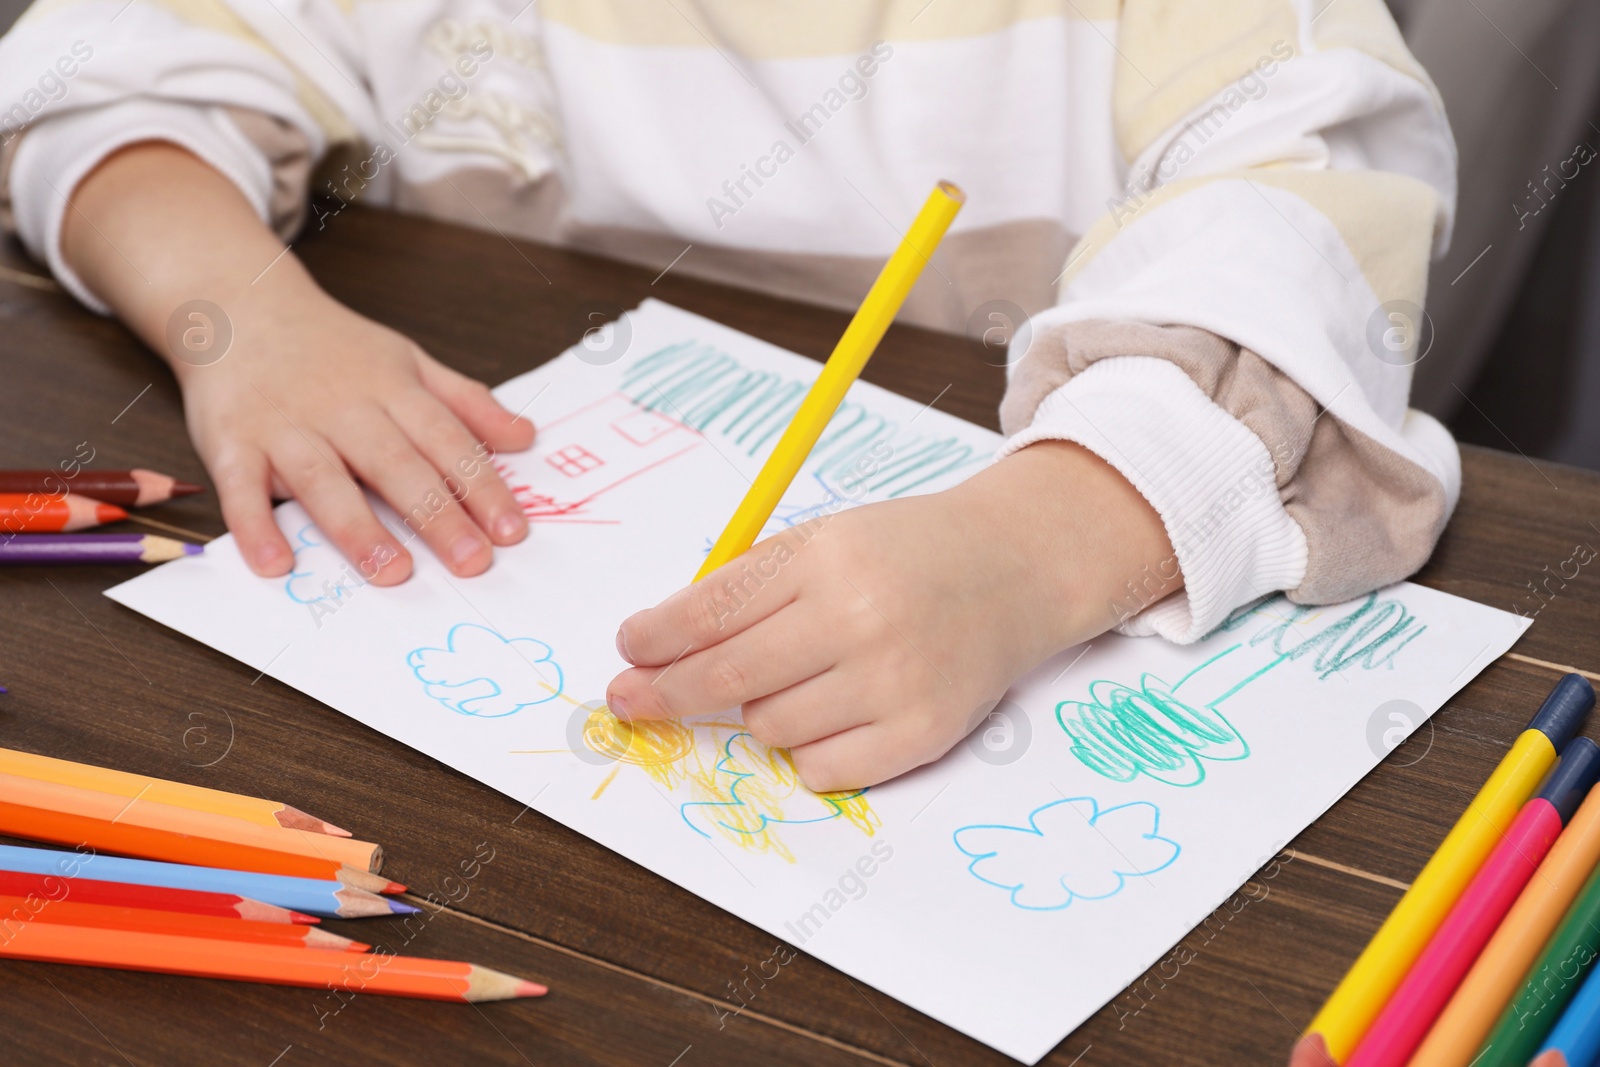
(1069, 850)
(770, 767)
(317, 564)
(478, 672)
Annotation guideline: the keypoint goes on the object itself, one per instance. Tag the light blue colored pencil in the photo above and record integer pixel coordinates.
(1577, 1035)
(310, 895)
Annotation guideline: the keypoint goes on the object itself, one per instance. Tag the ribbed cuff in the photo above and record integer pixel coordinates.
(1209, 478)
(59, 152)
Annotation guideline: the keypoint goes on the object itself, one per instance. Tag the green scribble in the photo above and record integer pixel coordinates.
(1369, 637)
(711, 392)
(1122, 733)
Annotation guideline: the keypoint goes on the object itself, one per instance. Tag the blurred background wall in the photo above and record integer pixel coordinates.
(1515, 304)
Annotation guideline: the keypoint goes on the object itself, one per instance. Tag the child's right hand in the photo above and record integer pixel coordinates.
(310, 397)
(314, 398)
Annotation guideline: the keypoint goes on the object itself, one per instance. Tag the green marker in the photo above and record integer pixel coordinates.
(1549, 986)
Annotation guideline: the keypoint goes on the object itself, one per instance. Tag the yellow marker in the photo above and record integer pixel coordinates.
(855, 347)
(1366, 988)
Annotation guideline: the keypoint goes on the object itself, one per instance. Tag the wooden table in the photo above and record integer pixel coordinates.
(641, 972)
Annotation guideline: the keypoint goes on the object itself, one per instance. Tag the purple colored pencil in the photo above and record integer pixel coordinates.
(93, 548)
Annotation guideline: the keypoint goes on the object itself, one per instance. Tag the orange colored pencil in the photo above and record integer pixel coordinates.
(203, 825)
(160, 790)
(21, 911)
(1460, 1029)
(129, 950)
(65, 828)
(37, 513)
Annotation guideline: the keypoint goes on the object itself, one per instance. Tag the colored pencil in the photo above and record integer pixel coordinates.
(1576, 1038)
(35, 513)
(1549, 985)
(40, 549)
(198, 826)
(179, 794)
(201, 957)
(312, 896)
(1458, 1034)
(1365, 988)
(131, 488)
(158, 898)
(849, 356)
(34, 823)
(1397, 1031)
(15, 911)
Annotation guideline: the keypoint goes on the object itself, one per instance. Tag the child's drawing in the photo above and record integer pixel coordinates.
(1122, 732)
(317, 576)
(739, 789)
(1069, 850)
(478, 672)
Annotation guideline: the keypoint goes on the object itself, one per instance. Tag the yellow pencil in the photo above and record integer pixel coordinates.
(855, 347)
(1408, 929)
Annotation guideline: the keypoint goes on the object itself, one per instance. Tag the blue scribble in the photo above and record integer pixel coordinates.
(1369, 636)
(478, 672)
(304, 584)
(1069, 850)
(834, 801)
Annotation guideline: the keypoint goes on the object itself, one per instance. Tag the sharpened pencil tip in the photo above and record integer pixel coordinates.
(186, 489)
(400, 907)
(193, 550)
(303, 919)
(393, 887)
(531, 989)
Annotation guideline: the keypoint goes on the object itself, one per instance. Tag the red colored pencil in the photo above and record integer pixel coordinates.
(40, 513)
(124, 894)
(20, 912)
(132, 488)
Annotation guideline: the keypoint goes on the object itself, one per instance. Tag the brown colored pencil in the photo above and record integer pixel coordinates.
(201, 825)
(131, 488)
(404, 976)
(15, 911)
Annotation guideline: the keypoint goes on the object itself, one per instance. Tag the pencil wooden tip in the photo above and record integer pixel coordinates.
(1552, 1058)
(360, 879)
(295, 819)
(322, 939)
(268, 913)
(486, 984)
(360, 904)
(1311, 1051)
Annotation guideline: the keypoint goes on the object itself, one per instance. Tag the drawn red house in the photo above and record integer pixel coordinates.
(593, 450)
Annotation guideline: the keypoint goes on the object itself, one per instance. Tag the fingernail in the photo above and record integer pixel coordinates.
(622, 647)
(465, 549)
(618, 706)
(509, 525)
(266, 555)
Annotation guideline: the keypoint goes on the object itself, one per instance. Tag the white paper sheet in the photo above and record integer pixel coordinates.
(1119, 795)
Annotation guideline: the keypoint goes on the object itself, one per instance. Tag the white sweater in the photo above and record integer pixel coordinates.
(1218, 214)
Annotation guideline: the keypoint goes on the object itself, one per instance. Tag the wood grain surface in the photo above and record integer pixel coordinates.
(641, 972)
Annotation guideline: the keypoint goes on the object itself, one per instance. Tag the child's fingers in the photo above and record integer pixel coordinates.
(242, 481)
(474, 405)
(340, 509)
(858, 757)
(783, 651)
(729, 600)
(463, 462)
(386, 459)
(818, 707)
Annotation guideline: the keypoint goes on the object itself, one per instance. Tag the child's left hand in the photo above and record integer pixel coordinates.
(871, 641)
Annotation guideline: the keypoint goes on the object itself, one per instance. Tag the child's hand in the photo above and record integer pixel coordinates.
(871, 641)
(313, 399)
(310, 397)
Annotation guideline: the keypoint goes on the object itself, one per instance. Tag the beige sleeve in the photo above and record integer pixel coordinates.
(1370, 516)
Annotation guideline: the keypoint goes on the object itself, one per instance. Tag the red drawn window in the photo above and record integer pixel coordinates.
(574, 460)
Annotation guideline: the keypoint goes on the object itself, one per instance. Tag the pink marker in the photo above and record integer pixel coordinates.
(1433, 979)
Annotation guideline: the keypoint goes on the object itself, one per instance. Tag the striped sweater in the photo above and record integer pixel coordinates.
(1205, 226)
